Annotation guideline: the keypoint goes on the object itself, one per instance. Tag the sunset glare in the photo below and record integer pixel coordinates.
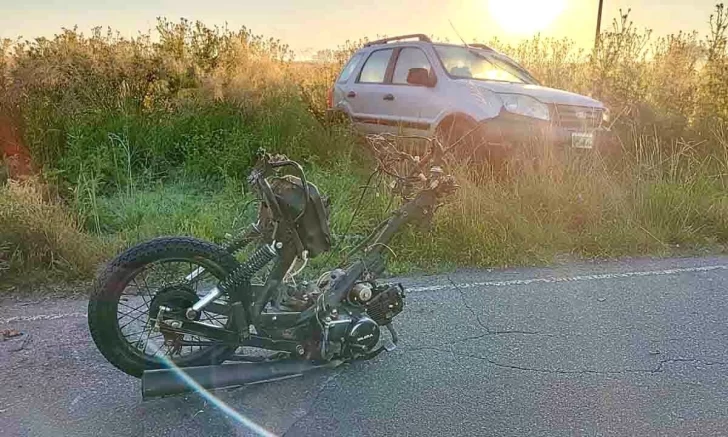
(525, 16)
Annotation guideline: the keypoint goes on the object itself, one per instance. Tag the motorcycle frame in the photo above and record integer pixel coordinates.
(285, 331)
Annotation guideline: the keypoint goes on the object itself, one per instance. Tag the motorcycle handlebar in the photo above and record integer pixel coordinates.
(383, 146)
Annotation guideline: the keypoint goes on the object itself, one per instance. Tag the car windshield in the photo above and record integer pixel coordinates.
(470, 63)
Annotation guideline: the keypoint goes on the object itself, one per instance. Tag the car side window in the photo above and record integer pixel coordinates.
(409, 57)
(375, 68)
(349, 68)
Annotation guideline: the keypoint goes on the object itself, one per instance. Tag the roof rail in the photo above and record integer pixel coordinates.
(481, 46)
(419, 36)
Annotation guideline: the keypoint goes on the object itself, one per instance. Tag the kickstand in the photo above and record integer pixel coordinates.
(389, 347)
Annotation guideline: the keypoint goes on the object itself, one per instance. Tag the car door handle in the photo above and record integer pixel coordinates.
(389, 97)
(351, 94)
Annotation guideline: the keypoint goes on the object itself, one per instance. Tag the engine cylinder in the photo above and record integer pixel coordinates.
(385, 305)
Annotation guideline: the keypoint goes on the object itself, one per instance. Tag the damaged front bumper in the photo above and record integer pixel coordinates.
(509, 131)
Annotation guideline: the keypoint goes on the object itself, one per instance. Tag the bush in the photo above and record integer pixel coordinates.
(36, 233)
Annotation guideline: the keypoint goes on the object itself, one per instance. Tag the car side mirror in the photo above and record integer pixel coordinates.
(421, 76)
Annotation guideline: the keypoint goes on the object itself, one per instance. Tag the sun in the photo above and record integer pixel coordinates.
(525, 16)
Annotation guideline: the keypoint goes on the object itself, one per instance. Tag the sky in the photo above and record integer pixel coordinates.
(311, 25)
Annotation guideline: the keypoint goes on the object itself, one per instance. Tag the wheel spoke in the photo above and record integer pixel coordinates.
(194, 280)
(167, 274)
(131, 309)
(146, 325)
(141, 294)
(215, 319)
(163, 284)
(155, 274)
(134, 333)
(144, 278)
(133, 320)
(195, 342)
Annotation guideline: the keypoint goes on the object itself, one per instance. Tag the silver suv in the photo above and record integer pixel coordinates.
(410, 85)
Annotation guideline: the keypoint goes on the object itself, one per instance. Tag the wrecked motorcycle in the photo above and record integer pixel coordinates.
(176, 303)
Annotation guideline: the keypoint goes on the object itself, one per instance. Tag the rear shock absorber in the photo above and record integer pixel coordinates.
(242, 275)
(237, 284)
(234, 246)
(242, 239)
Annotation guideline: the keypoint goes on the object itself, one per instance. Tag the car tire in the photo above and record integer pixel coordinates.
(471, 145)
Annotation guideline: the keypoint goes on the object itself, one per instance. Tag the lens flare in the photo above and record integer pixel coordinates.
(525, 16)
(217, 402)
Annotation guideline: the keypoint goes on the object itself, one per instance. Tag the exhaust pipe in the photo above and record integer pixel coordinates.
(166, 382)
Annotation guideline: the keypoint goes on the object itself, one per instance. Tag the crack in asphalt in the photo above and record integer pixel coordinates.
(662, 363)
(508, 332)
(657, 369)
(467, 305)
(515, 331)
(488, 331)
(324, 385)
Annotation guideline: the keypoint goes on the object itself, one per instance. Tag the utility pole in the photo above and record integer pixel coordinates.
(599, 24)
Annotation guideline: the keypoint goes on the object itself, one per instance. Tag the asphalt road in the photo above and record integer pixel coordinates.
(632, 348)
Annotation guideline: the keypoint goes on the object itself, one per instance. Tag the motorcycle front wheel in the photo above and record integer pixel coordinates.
(127, 296)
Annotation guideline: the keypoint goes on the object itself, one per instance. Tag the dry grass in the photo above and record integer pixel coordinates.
(37, 233)
(583, 206)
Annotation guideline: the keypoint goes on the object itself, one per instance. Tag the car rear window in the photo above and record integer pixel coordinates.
(349, 68)
(409, 58)
(375, 68)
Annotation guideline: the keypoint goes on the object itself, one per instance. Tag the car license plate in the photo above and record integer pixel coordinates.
(581, 140)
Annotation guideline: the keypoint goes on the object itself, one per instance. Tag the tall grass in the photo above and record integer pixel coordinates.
(38, 232)
(154, 135)
(582, 208)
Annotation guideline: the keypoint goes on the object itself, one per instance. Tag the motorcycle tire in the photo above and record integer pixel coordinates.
(111, 283)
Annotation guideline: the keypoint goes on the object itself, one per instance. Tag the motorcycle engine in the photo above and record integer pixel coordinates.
(356, 332)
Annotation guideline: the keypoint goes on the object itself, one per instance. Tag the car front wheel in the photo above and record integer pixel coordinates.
(468, 141)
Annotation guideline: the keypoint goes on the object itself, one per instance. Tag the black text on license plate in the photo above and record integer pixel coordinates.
(582, 140)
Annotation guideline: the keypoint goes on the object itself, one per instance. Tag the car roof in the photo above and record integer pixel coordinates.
(396, 44)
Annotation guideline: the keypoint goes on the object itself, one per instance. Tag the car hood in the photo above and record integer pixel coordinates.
(541, 93)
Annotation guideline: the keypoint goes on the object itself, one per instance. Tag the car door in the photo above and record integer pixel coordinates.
(365, 96)
(413, 108)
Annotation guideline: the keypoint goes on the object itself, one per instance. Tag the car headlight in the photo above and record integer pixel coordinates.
(525, 105)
